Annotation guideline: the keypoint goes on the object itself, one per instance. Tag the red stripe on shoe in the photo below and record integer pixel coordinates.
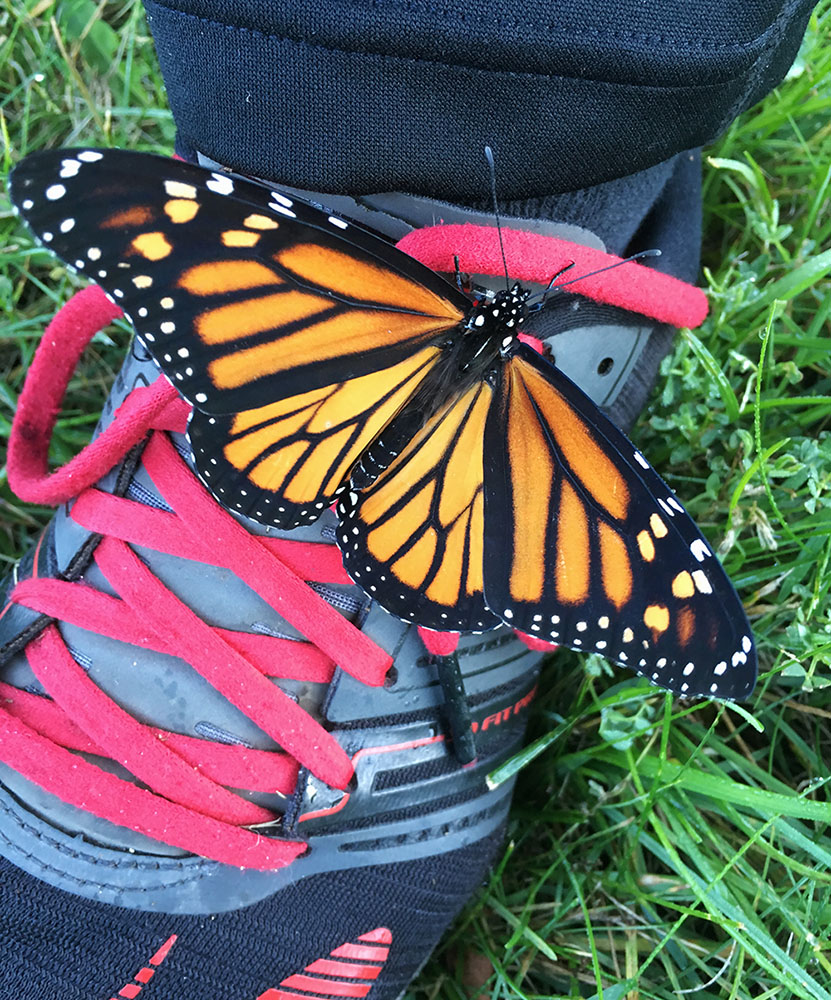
(277, 994)
(326, 987)
(143, 976)
(381, 935)
(347, 970)
(343, 974)
(361, 952)
(161, 954)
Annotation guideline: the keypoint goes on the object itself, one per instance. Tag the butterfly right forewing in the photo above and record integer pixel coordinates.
(586, 546)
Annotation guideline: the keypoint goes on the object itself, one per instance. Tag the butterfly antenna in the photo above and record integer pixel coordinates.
(492, 169)
(459, 284)
(609, 267)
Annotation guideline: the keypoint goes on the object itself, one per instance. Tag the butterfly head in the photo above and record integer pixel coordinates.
(498, 316)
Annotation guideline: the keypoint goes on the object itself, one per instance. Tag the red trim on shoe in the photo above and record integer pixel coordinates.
(348, 970)
(534, 257)
(381, 934)
(326, 987)
(361, 952)
(535, 643)
(143, 976)
(438, 643)
(343, 975)
(366, 751)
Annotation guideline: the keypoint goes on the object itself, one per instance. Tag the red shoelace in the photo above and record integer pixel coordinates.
(188, 804)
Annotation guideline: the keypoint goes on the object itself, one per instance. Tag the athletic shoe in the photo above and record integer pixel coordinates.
(226, 772)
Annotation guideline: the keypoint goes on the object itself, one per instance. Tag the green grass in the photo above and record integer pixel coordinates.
(658, 849)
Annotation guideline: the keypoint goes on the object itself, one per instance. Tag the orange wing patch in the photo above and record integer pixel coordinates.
(615, 566)
(138, 215)
(152, 246)
(573, 565)
(304, 447)
(421, 523)
(574, 439)
(353, 278)
(180, 210)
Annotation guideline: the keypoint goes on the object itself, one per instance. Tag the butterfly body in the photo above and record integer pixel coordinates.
(475, 485)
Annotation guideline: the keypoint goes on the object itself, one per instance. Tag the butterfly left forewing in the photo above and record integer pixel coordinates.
(242, 294)
(586, 546)
(412, 537)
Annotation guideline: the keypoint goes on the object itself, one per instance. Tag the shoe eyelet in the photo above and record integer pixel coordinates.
(391, 678)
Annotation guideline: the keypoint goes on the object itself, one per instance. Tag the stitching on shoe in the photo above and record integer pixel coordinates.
(129, 861)
(757, 43)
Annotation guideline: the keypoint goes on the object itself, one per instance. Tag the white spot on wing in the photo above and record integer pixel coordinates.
(69, 168)
(55, 191)
(699, 549)
(283, 210)
(666, 508)
(220, 184)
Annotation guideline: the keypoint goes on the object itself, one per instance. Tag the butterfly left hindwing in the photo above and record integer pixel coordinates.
(284, 463)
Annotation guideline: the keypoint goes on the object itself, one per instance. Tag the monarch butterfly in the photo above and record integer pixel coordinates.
(474, 483)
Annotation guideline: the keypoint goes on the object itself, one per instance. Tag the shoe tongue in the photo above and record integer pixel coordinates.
(394, 214)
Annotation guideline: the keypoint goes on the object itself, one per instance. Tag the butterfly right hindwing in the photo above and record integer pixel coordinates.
(416, 531)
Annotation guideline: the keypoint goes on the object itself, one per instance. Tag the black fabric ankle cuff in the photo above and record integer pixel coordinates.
(364, 97)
